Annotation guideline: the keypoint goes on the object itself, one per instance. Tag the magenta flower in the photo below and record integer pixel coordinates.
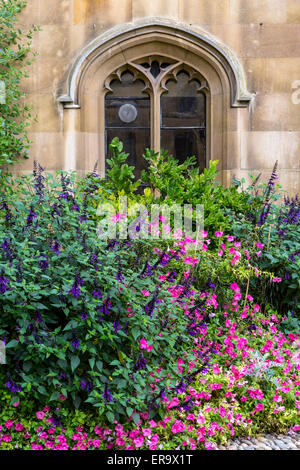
(40, 415)
(219, 234)
(19, 427)
(146, 293)
(177, 427)
(143, 343)
(9, 424)
(260, 245)
(259, 407)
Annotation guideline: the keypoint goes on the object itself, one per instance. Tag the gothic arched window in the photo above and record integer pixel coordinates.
(158, 103)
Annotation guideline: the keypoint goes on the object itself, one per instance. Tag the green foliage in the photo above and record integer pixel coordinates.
(184, 184)
(174, 183)
(72, 306)
(120, 175)
(15, 57)
(279, 232)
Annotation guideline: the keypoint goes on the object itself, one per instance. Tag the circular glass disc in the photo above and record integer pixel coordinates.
(128, 113)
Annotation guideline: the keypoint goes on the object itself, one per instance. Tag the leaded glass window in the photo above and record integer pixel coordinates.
(157, 103)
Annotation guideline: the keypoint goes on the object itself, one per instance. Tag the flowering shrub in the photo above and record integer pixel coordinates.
(276, 227)
(140, 344)
(251, 387)
(85, 320)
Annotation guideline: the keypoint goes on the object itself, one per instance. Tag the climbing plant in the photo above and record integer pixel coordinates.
(15, 57)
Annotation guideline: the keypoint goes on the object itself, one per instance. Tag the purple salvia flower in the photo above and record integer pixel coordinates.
(3, 284)
(31, 217)
(75, 291)
(107, 395)
(55, 247)
(43, 263)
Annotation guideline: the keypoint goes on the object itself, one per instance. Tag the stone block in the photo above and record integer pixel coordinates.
(102, 11)
(158, 8)
(275, 112)
(262, 149)
(258, 11)
(205, 12)
(293, 11)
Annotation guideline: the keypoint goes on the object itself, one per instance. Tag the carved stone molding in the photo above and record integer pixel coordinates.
(119, 38)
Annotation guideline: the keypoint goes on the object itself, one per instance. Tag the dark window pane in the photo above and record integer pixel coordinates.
(127, 116)
(183, 119)
(135, 141)
(183, 111)
(183, 105)
(183, 143)
(127, 112)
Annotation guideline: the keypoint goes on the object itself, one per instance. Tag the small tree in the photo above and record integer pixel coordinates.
(15, 57)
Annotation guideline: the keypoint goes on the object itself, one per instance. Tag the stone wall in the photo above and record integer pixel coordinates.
(264, 35)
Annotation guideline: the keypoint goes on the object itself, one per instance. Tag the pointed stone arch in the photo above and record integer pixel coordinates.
(228, 98)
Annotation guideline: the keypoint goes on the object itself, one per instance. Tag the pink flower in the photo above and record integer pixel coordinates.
(190, 417)
(143, 344)
(234, 287)
(40, 415)
(120, 442)
(19, 427)
(276, 279)
(190, 260)
(152, 423)
(139, 441)
(6, 438)
(179, 363)
(118, 217)
(259, 407)
(97, 442)
(260, 245)
(16, 404)
(200, 419)
(219, 234)
(9, 424)
(49, 444)
(244, 314)
(177, 427)
(220, 253)
(146, 293)
(61, 398)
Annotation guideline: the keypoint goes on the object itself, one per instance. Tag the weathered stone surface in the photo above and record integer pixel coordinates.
(102, 11)
(263, 34)
(142, 8)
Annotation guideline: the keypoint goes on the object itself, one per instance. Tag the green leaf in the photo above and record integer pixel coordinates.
(136, 418)
(75, 361)
(54, 396)
(110, 416)
(11, 344)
